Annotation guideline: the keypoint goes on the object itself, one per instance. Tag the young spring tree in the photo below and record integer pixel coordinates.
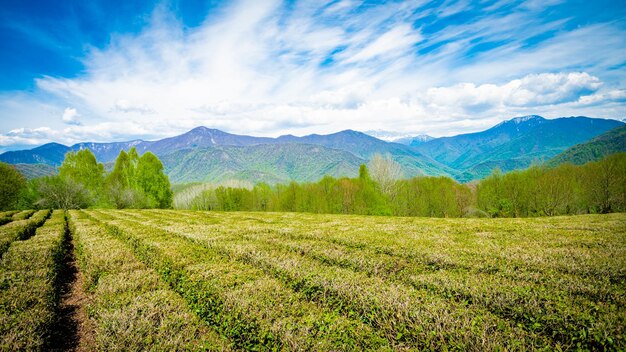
(153, 182)
(11, 183)
(385, 172)
(62, 193)
(82, 168)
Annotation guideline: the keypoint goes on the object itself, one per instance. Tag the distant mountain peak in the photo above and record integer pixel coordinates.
(351, 132)
(521, 119)
(203, 130)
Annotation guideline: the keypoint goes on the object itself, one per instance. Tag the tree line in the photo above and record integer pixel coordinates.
(139, 182)
(135, 182)
(595, 187)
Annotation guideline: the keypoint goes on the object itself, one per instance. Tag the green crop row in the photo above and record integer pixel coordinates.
(239, 300)
(28, 292)
(8, 213)
(23, 215)
(393, 308)
(382, 258)
(21, 229)
(6, 216)
(586, 245)
(567, 306)
(544, 251)
(129, 308)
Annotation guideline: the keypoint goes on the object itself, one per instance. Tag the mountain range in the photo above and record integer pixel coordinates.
(211, 155)
(613, 141)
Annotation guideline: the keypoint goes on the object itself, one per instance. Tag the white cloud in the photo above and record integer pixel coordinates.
(70, 116)
(397, 41)
(261, 69)
(123, 105)
(530, 91)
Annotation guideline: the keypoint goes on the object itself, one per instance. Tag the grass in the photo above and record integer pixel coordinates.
(28, 294)
(184, 280)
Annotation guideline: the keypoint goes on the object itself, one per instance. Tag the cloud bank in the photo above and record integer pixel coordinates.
(271, 68)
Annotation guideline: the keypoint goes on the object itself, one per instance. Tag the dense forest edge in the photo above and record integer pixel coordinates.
(140, 182)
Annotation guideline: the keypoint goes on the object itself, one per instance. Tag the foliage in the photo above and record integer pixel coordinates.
(153, 182)
(28, 291)
(82, 167)
(327, 282)
(385, 171)
(538, 191)
(138, 182)
(134, 182)
(596, 187)
(11, 184)
(58, 192)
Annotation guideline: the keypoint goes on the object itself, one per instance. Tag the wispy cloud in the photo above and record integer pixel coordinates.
(70, 116)
(268, 68)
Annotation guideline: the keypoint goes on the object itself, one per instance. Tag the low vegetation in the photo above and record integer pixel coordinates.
(21, 229)
(187, 280)
(28, 290)
(130, 308)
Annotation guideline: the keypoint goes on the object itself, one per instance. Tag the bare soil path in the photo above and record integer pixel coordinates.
(71, 331)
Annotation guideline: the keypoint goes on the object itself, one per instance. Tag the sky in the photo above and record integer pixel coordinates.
(109, 70)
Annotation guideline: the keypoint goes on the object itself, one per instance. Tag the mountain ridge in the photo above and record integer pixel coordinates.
(511, 144)
(613, 141)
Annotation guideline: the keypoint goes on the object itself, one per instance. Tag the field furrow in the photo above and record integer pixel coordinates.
(243, 303)
(131, 309)
(28, 293)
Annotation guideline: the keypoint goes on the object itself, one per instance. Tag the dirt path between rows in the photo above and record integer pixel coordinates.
(72, 330)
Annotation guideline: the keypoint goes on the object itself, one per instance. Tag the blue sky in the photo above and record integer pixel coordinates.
(115, 70)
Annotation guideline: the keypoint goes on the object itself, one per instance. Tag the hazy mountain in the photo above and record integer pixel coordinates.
(365, 146)
(266, 162)
(513, 144)
(613, 141)
(200, 137)
(210, 154)
(31, 171)
(415, 140)
(49, 154)
(106, 152)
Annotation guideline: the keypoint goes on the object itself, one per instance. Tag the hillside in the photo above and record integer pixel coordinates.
(270, 163)
(513, 144)
(510, 145)
(354, 145)
(31, 171)
(613, 141)
(50, 154)
(415, 140)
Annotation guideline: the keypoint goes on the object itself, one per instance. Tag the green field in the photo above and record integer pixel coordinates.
(183, 280)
